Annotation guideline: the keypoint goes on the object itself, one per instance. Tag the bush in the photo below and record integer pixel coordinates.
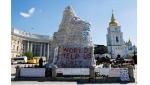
(28, 54)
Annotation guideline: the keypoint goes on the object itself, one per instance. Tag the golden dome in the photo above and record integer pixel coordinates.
(113, 22)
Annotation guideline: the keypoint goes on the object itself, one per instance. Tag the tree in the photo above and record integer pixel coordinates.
(105, 59)
(119, 60)
(28, 54)
(100, 49)
(135, 58)
(97, 61)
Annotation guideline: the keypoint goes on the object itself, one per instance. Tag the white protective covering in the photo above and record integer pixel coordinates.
(73, 71)
(103, 71)
(32, 72)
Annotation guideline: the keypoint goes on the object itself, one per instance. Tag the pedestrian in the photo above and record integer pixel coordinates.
(41, 63)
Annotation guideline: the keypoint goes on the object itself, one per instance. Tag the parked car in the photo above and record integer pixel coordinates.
(13, 62)
(22, 59)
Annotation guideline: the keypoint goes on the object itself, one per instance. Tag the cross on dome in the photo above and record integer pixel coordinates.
(113, 20)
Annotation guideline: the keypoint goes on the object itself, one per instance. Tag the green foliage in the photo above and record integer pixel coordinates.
(102, 60)
(119, 60)
(100, 49)
(135, 57)
(106, 65)
(28, 54)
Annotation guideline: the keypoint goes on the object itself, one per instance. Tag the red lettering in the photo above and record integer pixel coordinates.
(77, 55)
(66, 50)
(66, 55)
(70, 50)
(75, 50)
(78, 50)
(71, 56)
(86, 50)
(89, 55)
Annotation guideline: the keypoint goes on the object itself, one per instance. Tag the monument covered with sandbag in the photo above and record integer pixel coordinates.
(72, 45)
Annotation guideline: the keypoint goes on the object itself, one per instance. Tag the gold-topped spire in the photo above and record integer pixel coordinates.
(113, 22)
(129, 40)
(112, 17)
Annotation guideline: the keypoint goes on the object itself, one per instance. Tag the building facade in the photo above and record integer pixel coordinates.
(22, 42)
(115, 43)
(131, 49)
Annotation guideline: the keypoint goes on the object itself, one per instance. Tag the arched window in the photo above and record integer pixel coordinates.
(117, 40)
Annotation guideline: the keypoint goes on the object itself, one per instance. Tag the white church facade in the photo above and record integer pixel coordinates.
(116, 45)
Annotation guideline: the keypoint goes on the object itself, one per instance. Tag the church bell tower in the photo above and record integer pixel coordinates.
(115, 42)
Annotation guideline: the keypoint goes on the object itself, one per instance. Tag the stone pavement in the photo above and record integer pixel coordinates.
(59, 82)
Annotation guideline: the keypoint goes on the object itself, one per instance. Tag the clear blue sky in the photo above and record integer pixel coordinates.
(44, 16)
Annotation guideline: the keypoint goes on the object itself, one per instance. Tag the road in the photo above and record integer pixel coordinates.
(58, 83)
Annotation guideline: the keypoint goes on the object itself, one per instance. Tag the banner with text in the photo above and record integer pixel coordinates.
(74, 57)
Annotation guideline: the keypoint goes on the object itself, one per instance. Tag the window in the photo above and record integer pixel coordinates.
(17, 48)
(117, 40)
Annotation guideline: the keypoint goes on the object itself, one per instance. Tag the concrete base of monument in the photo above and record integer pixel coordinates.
(78, 79)
(80, 75)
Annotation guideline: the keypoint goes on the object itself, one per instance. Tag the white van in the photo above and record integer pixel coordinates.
(22, 59)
